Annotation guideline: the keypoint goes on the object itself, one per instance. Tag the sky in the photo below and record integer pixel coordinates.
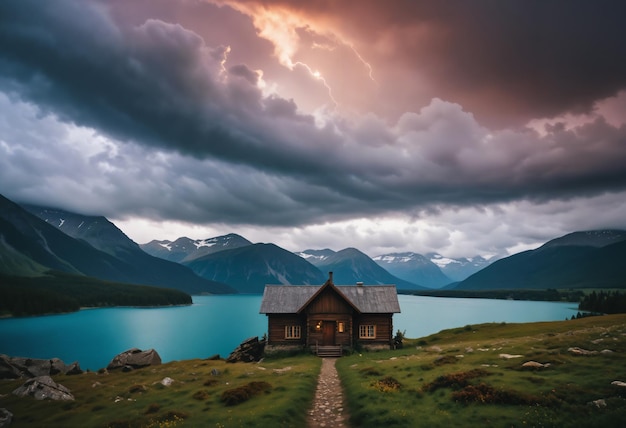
(461, 127)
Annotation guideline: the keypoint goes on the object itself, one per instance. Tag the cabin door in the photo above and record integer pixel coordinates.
(328, 333)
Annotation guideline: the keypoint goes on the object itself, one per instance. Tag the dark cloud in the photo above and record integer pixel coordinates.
(506, 61)
(196, 138)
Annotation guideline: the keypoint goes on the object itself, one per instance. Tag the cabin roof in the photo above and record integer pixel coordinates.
(290, 299)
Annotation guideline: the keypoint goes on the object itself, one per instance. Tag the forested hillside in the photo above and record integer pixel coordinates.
(58, 292)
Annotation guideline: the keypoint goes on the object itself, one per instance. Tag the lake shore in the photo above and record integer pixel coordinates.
(475, 375)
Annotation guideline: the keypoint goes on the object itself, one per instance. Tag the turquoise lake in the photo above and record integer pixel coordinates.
(217, 324)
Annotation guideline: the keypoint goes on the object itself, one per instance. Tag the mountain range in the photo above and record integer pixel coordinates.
(184, 250)
(34, 240)
(350, 266)
(590, 259)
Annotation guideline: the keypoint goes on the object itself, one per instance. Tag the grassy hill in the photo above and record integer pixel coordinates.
(475, 376)
(458, 377)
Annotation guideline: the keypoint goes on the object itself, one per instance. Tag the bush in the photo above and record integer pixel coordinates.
(387, 384)
(232, 397)
(483, 393)
(201, 395)
(454, 380)
(153, 408)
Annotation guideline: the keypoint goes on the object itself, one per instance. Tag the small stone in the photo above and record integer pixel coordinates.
(598, 403)
(509, 356)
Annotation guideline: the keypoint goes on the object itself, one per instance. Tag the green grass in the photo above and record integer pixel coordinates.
(281, 391)
(457, 377)
(453, 378)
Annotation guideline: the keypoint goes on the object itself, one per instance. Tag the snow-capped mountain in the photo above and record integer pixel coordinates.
(184, 250)
(414, 267)
(461, 268)
(316, 257)
(91, 246)
(350, 266)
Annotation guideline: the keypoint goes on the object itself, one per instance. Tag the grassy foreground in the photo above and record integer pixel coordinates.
(473, 376)
(458, 377)
(204, 393)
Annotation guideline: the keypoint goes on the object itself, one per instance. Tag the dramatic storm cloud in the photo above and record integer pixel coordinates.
(460, 127)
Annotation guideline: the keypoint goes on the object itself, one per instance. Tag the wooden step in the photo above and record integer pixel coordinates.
(329, 351)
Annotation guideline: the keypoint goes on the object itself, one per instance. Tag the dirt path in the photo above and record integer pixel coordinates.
(328, 406)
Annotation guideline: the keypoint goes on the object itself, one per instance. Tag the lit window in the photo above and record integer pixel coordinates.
(292, 332)
(367, 331)
(341, 327)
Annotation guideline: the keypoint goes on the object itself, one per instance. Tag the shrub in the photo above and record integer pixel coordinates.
(447, 359)
(454, 380)
(483, 393)
(201, 395)
(234, 396)
(137, 388)
(387, 384)
(153, 408)
(370, 371)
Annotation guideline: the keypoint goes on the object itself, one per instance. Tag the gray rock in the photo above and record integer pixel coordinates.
(249, 350)
(167, 381)
(535, 365)
(7, 369)
(17, 367)
(44, 388)
(5, 418)
(134, 358)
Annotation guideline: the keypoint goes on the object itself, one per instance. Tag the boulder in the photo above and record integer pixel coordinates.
(5, 418)
(134, 358)
(7, 369)
(43, 388)
(17, 367)
(249, 350)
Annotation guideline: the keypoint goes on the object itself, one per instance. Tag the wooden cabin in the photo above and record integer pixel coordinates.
(329, 318)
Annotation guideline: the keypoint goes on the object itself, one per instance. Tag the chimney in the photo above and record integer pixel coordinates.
(359, 284)
(330, 277)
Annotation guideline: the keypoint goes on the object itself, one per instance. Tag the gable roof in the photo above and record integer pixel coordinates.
(291, 299)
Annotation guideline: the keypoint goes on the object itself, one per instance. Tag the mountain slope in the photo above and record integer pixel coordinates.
(461, 268)
(578, 260)
(185, 249)
(316, 257)
(28, 239)
(350, 266)
(62, 292)
(414, 268)
(248, 269)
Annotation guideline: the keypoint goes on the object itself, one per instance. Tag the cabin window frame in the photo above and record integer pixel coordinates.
(367, 331)
(293, 332)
